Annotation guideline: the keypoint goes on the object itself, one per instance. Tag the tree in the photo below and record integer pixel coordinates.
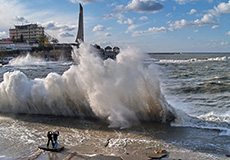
(54, 40)
(42, 41)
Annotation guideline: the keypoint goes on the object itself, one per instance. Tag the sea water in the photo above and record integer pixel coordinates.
(117, 102)
(198, 84)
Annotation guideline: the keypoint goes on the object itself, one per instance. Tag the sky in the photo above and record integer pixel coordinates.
(150, 25)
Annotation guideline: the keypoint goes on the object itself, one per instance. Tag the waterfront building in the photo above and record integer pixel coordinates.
(108, 49)
(29, 33)
(8, 45)
(116, 50)
(111, 52)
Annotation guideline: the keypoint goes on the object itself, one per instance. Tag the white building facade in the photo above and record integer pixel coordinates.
(26, 33)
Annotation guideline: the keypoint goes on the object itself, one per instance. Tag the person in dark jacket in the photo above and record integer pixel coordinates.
(55, 136)
(50, 138)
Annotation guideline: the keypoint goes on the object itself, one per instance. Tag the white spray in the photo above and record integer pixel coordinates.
(27, 60)
(121, 91)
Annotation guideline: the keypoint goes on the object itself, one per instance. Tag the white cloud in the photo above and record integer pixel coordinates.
(213, 42)
(224, 43)
(206, 20)
(127, 21)
(121, 19)
(85, 1)
(215, 26)
(195, 31)
(131, 28)
(51, 25)
(182, 1)
(98, 28)
(169, 14)
(217, 43)
(65, 35)
(174, 8)
(113, 16)
(192, 11)
(150, 30)
(141, 6)
(143, 18)
(210, 1)
(3, 34)
(155, 29)
(107, 34)
(108, 16)
(9, 10)
(113, 4)
(20, 19)
(222, 8)
(228, 33)
(119, 8)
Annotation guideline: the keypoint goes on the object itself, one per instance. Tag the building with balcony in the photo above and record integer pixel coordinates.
(29, 33)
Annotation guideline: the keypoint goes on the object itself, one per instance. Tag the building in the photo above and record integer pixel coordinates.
(116, 49)
(111, 52)
(5, 41)
(29, 33)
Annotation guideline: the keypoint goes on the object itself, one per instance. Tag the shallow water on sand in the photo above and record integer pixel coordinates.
(21, 135)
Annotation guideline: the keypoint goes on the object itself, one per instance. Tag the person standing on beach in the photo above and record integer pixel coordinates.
(50, 138)
(55, 135)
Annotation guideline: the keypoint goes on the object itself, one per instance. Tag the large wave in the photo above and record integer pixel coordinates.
(121, 91)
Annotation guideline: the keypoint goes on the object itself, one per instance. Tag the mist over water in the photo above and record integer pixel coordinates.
(122, 91)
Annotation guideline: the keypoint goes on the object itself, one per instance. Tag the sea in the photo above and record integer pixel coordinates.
(132, 105)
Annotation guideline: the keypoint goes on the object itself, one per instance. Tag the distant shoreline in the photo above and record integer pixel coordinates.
(171, 53)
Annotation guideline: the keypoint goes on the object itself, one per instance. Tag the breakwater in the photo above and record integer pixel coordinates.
(59, 51)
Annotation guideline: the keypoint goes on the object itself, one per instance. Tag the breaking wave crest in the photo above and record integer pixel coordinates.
(121, 91)
(207, 121)
(224, 58)
(26, 60)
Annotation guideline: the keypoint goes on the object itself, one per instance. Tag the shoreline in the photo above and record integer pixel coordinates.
(88, 138)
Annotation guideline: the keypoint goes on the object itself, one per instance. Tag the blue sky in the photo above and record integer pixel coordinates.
(152, 25)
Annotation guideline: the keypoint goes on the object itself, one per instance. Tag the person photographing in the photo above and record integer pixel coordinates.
(55, 137)
(50, 138)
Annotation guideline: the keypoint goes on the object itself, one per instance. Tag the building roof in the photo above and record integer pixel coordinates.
(108, 47)
(26, 26)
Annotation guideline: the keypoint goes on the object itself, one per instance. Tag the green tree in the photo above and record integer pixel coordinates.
(42, 40)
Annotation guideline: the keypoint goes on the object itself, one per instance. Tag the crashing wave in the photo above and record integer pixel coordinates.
(121, 91)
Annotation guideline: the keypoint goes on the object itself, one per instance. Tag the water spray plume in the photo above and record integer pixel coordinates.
(122, 91)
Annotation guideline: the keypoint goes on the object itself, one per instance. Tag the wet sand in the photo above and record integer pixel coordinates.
(93, 153)
(92, 137)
